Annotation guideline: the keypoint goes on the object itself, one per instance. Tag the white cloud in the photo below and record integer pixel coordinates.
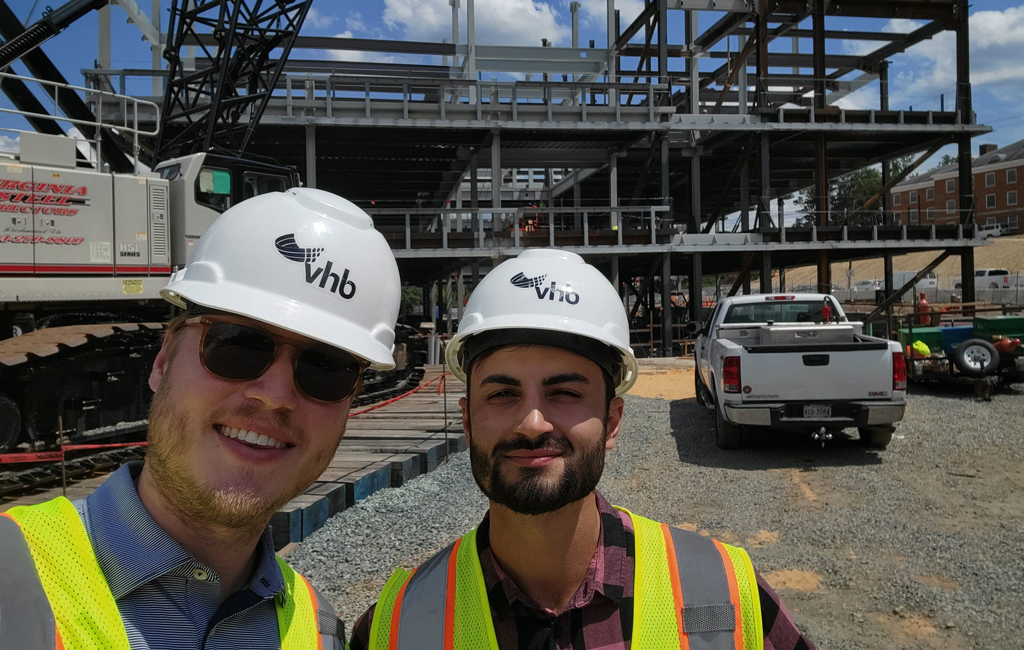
(318, 20)
(7, 143)
(595, 13)
(355, 22)
(997, 40)
(498, 22)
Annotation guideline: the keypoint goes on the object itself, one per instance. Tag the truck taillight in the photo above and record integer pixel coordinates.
(899, 371)
(731, 374)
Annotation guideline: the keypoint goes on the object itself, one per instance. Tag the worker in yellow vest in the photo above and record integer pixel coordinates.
(544, 352)
(288, 298)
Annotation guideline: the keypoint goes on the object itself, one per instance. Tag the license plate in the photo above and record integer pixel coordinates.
(817, 411)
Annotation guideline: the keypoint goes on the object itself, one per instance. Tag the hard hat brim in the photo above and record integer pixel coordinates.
(290, 315)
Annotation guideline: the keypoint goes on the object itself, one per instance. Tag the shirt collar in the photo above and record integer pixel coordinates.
(608, 574)
(132, 549)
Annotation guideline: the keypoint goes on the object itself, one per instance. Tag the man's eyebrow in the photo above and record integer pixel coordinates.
(566, 378)
(506, 380)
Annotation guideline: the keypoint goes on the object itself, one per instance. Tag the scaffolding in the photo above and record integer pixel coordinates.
(630, 153)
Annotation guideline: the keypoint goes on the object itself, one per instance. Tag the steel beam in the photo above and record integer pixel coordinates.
(696, 298)
(667, 335)
(896, 295)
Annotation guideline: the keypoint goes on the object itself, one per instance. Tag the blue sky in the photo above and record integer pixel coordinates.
(918, 78)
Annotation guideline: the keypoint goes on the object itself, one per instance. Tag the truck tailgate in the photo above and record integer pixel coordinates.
(855, 371)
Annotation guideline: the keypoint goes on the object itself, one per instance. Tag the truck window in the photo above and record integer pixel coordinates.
(256, 183)
(170, 172)
(213, 188)
(788, 311)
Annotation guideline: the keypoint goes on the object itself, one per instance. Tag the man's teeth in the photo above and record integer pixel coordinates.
(253, 438)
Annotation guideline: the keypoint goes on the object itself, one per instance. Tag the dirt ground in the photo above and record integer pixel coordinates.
(664, 383)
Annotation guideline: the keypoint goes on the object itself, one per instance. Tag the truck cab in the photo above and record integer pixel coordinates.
(204, 185)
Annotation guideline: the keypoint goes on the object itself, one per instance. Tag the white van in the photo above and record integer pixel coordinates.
(928, 282)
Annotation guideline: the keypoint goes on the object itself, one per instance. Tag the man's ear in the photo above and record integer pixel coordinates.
(614, 421)
(160, 366)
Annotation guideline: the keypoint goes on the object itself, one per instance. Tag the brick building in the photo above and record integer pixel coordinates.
(933, 198)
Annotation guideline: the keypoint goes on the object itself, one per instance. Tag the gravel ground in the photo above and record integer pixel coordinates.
(917, 546)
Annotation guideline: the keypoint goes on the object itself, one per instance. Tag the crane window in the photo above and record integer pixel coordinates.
(214, 188)
(255, 183)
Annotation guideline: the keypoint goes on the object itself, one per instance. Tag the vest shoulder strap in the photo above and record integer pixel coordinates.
(83, 606)
(26, 620)
(305, 619)
(442, 605)
(692, 592)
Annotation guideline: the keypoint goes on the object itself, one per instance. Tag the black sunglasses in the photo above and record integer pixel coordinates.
(237, 351)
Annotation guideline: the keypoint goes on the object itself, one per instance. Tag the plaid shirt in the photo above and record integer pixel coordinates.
(599, 615)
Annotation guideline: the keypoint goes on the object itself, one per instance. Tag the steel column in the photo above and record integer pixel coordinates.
(311, 155)
(967, 275)
(496, 179)
(667, 337)
(764, 207)
(766, 272)
(883, 104)
(696, 289)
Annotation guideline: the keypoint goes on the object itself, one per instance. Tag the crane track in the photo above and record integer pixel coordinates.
(50, 473)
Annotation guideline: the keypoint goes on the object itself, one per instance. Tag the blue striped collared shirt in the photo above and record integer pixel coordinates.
(167, 598)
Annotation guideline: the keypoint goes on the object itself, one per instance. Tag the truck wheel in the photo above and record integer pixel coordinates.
(976, 358)
(727, 434)
(876, 437)
(10, 423)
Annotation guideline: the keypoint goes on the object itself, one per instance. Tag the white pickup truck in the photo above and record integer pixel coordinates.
(794, 361)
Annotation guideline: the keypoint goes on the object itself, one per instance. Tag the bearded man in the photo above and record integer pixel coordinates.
(288, 298)
(544, 352)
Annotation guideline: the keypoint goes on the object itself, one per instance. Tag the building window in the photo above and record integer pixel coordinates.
(896, 199)
(1011, 175)
(930, 214)
(1011, 197)
(990, 200)
(929, 194)
(913, 196)
(991, 221)
(990, 179)
(1012, 222)
(913, 216)
(951, 207)
(950, 186)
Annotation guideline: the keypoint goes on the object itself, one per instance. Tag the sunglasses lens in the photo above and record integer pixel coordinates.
(238, 352)
(327, 374)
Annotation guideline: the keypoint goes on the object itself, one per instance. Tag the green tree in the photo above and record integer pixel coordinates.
(948, 159)
(847, 194)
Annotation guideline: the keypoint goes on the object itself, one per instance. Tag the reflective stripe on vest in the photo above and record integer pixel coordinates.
(70, 605)
(690, 592)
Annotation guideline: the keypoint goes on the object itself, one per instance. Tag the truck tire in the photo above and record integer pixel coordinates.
(976, 358)
(10, 423)
(876, 437)
(727, 434)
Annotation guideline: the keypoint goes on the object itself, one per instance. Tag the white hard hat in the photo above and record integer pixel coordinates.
(553, 294)
(304, 260)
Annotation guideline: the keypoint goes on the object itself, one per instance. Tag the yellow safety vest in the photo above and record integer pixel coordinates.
(689, 592)
(75, 609)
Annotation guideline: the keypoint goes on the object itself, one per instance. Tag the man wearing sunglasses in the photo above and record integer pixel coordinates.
(288, 298)
(544, 352)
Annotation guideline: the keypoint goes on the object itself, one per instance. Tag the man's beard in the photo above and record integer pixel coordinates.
(531, 494)
(236, 507)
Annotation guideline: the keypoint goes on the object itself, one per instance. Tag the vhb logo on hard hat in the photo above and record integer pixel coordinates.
(340, 284)
(285, 258)
(565, 292)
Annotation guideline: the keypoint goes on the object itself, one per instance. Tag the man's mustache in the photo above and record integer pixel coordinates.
(547, 442)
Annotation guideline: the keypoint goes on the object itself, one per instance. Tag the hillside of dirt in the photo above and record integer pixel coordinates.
(1003, 252)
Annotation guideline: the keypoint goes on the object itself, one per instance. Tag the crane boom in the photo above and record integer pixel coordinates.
(52, 23)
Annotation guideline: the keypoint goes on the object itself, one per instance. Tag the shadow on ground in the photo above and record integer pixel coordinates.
(693, 428)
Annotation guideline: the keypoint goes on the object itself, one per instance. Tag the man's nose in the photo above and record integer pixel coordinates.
(533, 424)
(276, 386)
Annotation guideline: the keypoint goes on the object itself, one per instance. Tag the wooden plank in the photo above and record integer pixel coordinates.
(335, 493)
(286, 525)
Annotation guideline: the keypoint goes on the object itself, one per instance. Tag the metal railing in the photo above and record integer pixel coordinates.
(128, 105)
(521, 227)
